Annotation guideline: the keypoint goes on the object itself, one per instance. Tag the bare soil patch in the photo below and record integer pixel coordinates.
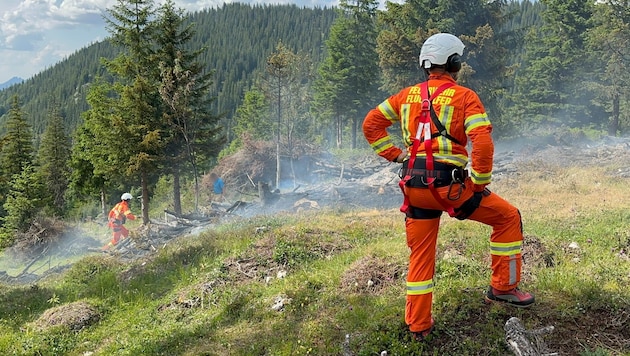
(74, 316)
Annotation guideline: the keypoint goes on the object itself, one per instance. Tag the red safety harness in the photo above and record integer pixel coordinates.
(423, 134)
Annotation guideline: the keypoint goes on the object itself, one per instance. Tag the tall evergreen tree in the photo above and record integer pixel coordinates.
(610, 41)
(19, 198)
(549, 89)
(133, 131)
(85, 182)
(16, 148)
(17, 143)
(22, 205)
(93, 173)
(287, 85)
(184, 88)
(53, 158)
(349, 76)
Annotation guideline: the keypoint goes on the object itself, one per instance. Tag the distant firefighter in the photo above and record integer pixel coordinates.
(117, 218)
(218, 187)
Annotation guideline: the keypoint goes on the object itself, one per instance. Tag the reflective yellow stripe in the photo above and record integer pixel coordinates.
(417, 288)
(382, 144)
(404, 123)
(458, 160)
(505, 248)
(389, 112)
(480, 178)
(445, 145)
(474, 121)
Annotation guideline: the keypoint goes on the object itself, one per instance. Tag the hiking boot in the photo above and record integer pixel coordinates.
(512, 297)
(424, 334)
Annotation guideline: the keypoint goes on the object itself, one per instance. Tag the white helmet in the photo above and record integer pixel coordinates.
(438, 48)
(126, 196)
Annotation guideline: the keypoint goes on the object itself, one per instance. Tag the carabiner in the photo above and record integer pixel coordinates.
(453, 177)
(459, 192)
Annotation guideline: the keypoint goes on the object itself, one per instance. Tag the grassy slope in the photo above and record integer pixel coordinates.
(213, 294)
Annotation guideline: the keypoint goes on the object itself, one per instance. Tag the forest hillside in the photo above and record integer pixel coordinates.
(237, 39)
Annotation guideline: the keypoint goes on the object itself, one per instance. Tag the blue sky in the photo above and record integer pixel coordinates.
(37, 34)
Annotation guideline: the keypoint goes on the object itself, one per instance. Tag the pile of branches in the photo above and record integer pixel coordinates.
(256, 162)
(42, 233)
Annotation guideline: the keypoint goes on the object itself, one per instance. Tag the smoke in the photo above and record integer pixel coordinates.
(24, 263)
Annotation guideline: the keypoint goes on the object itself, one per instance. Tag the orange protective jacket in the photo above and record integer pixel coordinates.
(119, 214)
(460, 111)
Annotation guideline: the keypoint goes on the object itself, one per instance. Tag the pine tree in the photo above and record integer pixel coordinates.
(348, 80)
(131, 131)
(53, 157)
(280, 75)
(16, 148)
(17, 143)
(549, 86)
(610, 40)
(287, 84)
(23, 202)
(20, 197)
(184, 88)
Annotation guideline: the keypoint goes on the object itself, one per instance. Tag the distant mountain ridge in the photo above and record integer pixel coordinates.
(237, 39)
(8, 83)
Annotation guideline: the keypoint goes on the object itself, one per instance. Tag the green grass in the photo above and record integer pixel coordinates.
(213, 294)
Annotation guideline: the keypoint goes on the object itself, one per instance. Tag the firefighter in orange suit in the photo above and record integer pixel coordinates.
(456, 115)
(117, 218)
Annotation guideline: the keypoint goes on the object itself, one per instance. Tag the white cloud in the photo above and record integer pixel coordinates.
(36, 34)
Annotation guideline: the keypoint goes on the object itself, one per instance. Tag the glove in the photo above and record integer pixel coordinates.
(470, 205)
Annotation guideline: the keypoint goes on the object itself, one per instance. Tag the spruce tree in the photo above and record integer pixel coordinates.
(610, 43)
(184, 89)
(19, 181)
(131, 130)
(348, 82)
(92, 174)
(253, 117)
(53, 158)
(24, 201)
(16, 148)
(549, 90)
(17, 143)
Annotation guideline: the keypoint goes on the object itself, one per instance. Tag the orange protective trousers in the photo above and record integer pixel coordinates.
(119, 231)
(505, 246)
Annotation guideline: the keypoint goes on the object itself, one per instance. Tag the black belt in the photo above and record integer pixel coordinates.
(442, 175)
